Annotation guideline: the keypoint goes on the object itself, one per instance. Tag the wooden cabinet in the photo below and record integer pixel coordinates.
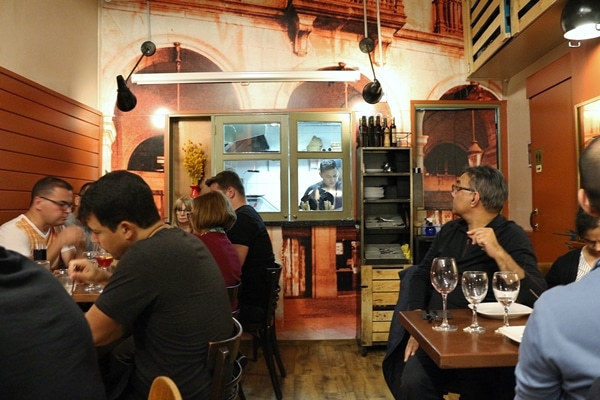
(503, 37)
(385, 217)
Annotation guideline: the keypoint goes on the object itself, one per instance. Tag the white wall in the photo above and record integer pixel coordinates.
(54, 43)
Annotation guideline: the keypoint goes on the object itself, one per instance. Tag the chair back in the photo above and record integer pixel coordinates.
(225, 369)
(233, 291)
(163, 388)
(273, 276)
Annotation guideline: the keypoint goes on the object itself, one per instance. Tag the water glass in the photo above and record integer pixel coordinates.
(506, 290)
(65, 279)
(474, 286)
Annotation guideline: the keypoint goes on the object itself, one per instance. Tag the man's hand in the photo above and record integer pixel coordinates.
(86, 271)
(411, 348)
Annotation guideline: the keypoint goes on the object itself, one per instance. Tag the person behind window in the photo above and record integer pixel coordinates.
(182, 209)
(573, 265)
(327, 194)
(212, 216)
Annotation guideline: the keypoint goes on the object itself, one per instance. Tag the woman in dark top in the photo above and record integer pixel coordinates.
(574, 264)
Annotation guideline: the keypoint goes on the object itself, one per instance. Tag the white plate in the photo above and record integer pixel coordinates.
(514, 333)
(496, 311)
(373, 170)
(374, 197)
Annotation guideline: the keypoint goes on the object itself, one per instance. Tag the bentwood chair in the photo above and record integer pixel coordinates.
(163, 388)
(233, 291)
(264, 335)
(225, 368)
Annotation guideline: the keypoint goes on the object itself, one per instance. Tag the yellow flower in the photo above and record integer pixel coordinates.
(194, 161)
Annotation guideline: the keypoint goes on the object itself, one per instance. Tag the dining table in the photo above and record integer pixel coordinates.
(460, 349)
(80, 295)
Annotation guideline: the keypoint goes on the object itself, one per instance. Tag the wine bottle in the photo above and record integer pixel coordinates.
(378, 132)
(371, 130)
(393, 133)
(387, 140)
(364, 132)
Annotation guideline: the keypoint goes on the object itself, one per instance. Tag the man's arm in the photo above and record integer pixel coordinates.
(105, 330)
(242, 252)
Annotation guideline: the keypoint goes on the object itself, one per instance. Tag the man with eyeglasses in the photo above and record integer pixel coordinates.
(481, 240)
(43, 225)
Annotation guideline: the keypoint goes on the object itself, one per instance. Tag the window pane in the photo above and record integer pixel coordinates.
(252, 138)
(262, 182)
(319, 136)
(320, 184)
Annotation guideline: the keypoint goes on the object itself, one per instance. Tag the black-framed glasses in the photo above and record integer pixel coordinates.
(179, 210)
(457, 188)
(65, 205)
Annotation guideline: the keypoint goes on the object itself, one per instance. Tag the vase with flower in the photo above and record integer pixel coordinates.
(193, 161)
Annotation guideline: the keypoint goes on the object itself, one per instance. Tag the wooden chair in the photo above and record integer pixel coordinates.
(163, 388)
(233, 291)
(264, 335)
(225, 368)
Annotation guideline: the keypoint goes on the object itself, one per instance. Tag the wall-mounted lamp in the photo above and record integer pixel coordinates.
(580, 19)
(246, 77)
(126, 101)
(372, 92)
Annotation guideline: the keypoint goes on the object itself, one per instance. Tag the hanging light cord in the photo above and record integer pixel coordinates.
(148, 18)
(379, 36)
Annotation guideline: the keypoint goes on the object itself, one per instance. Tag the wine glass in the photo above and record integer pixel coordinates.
(506, 289)
(91, 256)
(104, 259)
(474, 286)
(444, 277)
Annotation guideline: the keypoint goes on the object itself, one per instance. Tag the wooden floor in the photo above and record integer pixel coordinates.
(319, 370)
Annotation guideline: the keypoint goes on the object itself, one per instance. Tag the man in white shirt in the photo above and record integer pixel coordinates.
(42, 226)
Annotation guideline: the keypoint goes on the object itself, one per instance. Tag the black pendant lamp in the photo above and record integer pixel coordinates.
(372, 92)
(126, 101)
(580, 19)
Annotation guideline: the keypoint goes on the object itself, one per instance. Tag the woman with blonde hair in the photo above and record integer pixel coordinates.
(212, 216)
(182, 209)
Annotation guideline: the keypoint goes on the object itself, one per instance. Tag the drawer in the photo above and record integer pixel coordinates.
(385, 299)
(383, 315)
(386, 273)
(380, 336)
(386, 286)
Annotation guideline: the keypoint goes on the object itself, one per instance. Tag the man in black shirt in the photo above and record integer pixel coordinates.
(251, 239)
(481, 240)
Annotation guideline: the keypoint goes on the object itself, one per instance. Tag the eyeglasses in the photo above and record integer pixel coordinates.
(456, 189)
(179, 210)
(65, 205)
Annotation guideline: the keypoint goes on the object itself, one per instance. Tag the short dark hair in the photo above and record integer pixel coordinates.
(84, 188)
(212, 210)
(585, 222)
(589, 165)
(327, 165)
(119, 196)
(226, 179)
(491, 186)
(46, 186)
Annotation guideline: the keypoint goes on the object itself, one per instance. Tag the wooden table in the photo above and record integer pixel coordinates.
(459, 349)
(81, 296)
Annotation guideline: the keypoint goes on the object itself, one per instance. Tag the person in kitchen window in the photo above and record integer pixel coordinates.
(326, 194)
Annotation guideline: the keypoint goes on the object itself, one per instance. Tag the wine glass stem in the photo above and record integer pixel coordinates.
(444, 313)
(506, 316)
(474, 322)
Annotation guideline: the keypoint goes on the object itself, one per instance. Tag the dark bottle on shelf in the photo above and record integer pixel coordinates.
(364, 132)
(371, 132)
(378, 132)
(393, 133)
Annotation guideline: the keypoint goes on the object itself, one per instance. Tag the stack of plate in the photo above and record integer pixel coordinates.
(373, 192)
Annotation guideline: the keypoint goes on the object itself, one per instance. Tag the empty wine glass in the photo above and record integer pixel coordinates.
(474, 286)
(444, 277)
(506, 289)
(91, 256)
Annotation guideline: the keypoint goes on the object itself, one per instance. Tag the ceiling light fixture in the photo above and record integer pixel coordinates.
(580, 19)
(246, 77)
(372, 92)
(126, 101)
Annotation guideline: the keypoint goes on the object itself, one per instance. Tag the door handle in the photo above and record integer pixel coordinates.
(532, 220)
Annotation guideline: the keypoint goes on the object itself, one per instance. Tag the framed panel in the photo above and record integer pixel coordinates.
(447, 138)
(588, 121)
